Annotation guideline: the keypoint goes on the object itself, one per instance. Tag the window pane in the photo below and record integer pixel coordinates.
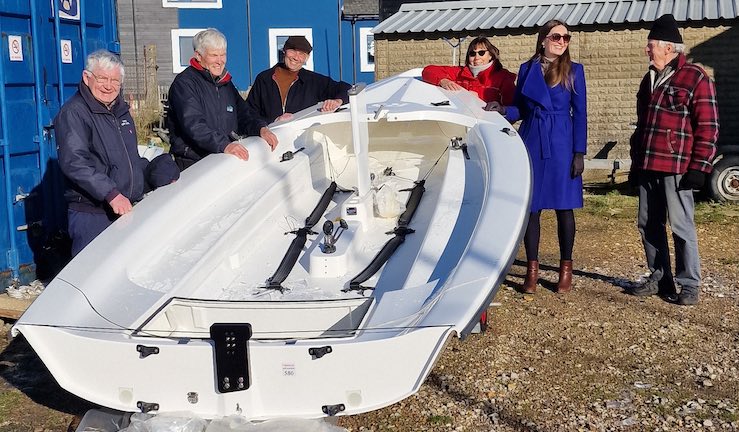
(185, 50)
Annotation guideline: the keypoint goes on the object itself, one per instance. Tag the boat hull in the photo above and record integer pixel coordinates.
(127, 324)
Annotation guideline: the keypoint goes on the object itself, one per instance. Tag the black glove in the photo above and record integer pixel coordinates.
(578, 165)
(634, 178)
(693, 179)
(495, 106)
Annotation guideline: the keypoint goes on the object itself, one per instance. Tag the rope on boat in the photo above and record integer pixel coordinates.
(301, 237)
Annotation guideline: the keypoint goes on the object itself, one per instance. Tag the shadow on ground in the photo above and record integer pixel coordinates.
(21, 368)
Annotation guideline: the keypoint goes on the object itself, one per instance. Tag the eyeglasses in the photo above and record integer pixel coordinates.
(555, 37)
(113, 82)
(477, 53)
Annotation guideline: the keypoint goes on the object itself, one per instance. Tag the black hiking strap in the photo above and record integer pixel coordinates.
(301, 237)
(389, 248)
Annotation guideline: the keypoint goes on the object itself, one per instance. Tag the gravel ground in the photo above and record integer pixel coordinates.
(592, 360)
(595, 359)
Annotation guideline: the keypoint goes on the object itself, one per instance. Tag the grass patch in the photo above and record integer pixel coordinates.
(709, 212)
(9, 401)
(611, 205)
(439, 420)
(728, 417)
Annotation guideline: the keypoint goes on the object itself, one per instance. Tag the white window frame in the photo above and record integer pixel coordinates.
(275, 32)
(193, 4)
(364, 65)
(176, 35)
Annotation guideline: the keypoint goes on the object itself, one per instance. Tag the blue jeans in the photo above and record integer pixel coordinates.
(84, 227)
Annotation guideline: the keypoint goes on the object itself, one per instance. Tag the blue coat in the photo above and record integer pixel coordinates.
(203, 112)
(554, 128)
(98, 152)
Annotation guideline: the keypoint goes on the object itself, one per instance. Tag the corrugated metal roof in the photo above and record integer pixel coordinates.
(497, 14)
(362, 7)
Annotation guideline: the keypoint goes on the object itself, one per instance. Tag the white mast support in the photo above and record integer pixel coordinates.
(360, 137)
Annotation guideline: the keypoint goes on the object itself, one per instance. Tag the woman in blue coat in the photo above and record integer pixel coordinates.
(550, 99)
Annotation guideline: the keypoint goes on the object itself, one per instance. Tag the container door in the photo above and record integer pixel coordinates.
(39, 51)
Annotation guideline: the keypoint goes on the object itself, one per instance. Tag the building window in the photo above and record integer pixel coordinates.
(366, 49)
(192, 4)
(277, 38)
(182, 48)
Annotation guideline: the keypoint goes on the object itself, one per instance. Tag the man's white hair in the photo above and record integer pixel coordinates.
(104, 60)
(676, 47)
(208, 39)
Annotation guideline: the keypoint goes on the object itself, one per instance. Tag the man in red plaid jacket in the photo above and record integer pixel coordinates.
(671, 154)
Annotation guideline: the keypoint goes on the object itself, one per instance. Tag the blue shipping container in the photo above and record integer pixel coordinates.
(44, 43)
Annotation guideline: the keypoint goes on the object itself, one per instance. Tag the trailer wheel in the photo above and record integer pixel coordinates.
(724, 182)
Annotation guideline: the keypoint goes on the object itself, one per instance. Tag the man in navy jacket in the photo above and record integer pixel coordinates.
(98, 151)
(206, 109)
(287, 87)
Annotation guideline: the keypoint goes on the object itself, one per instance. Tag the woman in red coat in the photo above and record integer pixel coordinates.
(482, 74)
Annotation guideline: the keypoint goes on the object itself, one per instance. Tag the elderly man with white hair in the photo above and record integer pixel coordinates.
(206, 109)
(98, 151)
(671, 153)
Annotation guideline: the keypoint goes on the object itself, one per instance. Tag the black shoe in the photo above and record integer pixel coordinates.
(648, 288)
(667, 289)
(688, 297)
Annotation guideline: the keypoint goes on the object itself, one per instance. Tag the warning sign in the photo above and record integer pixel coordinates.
(66, 47)
(69, 9)
(15, 48)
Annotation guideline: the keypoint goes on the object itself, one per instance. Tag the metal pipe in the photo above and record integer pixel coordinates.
(58, 38)
(83, 31)
(12, 254)
(135, 53)
(248, 41)
(354, 49)
(360, 138)
(38, 91)
(339, 16)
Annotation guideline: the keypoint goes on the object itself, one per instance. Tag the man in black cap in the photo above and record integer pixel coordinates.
(671, 154)
(287, 87)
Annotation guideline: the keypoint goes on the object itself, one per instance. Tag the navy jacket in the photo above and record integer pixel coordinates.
(98, 152)
(203, 112)
(309, 89)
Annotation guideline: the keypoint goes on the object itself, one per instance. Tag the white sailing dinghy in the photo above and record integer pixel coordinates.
(321, 279)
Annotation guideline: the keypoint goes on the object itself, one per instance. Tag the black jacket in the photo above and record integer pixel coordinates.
(203, 112)
(309, 89)
(98, 152)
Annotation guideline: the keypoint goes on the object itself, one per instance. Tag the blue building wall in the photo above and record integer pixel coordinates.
(247, 23)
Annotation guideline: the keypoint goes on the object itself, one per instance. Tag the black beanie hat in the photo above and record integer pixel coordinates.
(665, 29)
(299, 43)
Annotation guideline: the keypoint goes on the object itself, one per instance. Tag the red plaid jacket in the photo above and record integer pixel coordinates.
(677, 123)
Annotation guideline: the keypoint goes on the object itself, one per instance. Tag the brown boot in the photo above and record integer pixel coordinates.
(565, 276)
(532, 276)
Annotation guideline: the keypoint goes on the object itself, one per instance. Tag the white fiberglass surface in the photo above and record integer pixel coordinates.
(398, 158)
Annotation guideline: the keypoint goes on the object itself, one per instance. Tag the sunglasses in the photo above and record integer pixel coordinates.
(555, 37)
(479, 53)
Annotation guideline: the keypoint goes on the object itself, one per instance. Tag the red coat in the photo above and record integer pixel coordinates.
(492, 84)
(677, 123)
